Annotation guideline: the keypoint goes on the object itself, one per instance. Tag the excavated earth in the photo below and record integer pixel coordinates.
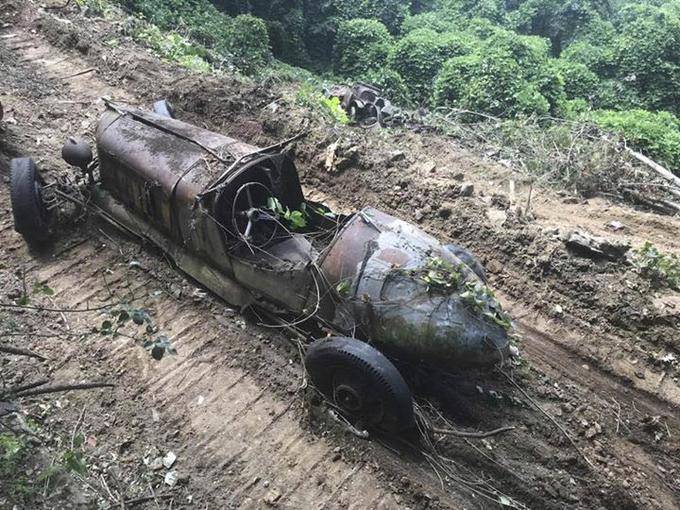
(597, 340)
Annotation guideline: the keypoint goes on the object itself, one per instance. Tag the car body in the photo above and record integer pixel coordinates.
(234, 218)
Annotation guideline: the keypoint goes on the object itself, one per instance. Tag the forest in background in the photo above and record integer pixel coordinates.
(615, 63)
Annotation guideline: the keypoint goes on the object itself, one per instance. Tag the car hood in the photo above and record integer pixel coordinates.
(380, 267)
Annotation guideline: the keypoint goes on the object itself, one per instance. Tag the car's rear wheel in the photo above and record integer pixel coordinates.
(31, 217)
(468, 259)
(362, 382)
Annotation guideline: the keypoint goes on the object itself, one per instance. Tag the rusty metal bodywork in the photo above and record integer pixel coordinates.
(379, 257)
(177, 185)
(366, 105)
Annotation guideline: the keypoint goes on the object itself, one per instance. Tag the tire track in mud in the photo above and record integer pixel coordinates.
(236, 427)
(234, 422)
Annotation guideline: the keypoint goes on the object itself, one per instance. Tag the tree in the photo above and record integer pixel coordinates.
(360, 46)
(579, 81)
(647, 55)
(556, 20)
(419, 55)
(390, 13)
(489, 81)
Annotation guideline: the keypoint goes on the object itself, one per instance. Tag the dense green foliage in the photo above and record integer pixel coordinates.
(658, 133)
(241, 42)
(503, 57)
(419, 56)
(361, 46)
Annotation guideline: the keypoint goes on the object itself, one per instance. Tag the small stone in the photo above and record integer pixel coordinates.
(272, 497)
(494, 267)
(156, 464)
(446, 210)
(591, 432)
(467, 189)
(429, 167)
(171, 478)
(395, 156)
(169, 460)
(570, 200)
(458, 176)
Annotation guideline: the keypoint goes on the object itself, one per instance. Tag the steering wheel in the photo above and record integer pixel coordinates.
(251, 222)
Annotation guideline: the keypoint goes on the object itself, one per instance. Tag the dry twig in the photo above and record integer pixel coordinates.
(21, 352)
(474, 435)
(64, 387)
(545, 413)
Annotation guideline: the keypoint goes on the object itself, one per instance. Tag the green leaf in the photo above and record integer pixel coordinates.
(343, 288)
(73, 461)
(106, 327)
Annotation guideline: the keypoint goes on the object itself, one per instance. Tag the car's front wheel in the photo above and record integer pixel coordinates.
(362, 382)
(31, 217)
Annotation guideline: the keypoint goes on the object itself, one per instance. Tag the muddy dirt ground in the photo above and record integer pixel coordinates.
(597, 340)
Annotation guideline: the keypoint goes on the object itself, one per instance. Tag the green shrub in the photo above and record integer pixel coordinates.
(247, 43)
(329, 108)
(489, 82)
(656, 134)
(573, 109)
(579, 81)
(174, 47)
(657, 266)
(390, 13)
(437, 21)
(593, 46)
(614, 94)
(241, 42)
(418, 58)
(648, 55)
(361, 45)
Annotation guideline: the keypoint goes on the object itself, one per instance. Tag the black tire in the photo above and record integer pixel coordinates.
(164, 108)
(469, 260)
(362, 382)
(31, 218)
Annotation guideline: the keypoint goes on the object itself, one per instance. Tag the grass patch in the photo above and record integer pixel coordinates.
(174, 47)
(663, 269)
(314, 99)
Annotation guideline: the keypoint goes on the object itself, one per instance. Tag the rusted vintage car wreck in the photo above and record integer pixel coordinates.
(234, 218)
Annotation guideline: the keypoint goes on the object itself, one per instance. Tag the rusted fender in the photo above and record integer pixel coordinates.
(379, 260)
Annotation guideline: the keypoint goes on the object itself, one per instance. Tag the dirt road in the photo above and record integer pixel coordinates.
(230, 403)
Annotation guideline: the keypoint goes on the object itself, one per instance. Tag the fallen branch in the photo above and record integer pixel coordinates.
(476, 435)
(19, 389)
(21, 352)
(64, 387)
(662, 171)
(79, 73)
(144, 499)
(59, 310)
